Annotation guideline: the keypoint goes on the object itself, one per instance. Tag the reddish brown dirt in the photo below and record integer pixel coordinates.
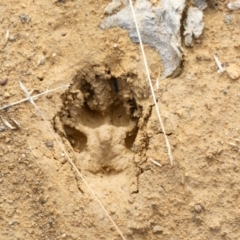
(41, 196)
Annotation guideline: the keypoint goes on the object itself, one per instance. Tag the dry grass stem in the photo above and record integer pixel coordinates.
(7, 36)
(15, 122)
(32, 97)
(221, 70)
(6, 123)
(69, 159)
(151, 86)
(155, 162)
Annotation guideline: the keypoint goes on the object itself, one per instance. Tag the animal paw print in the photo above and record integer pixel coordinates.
(99, 122)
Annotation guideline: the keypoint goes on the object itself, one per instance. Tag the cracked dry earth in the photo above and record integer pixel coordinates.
(107, 122)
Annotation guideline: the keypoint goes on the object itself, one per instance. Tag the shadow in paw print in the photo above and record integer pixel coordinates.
(99, 119)
(77, 139)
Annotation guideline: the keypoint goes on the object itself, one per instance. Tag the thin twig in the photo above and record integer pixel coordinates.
(151, 86)
(69, 159)
(7, 36)
(7, 123)
(218, 64)
(33, 97)
(155, 162)
(35, 160)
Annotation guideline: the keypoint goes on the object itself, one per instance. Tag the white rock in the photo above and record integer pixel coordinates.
(233, 5)
(194, 25)
(157, 229)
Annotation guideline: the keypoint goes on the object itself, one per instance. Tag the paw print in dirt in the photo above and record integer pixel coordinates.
(100, 122)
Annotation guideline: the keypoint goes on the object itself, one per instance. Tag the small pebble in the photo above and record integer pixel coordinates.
(6, 95)
(203, 57)
(3, 82)
(2, 128)
(41, 60)
(233, 6)
(13, 222)
(40, 76)
(233, 72)
(228, 19)
(49, 95)
(198, 208)
(1, 180)
(10, 166)
(157, 229)
(188, 76)
(49, 144)
(129, 232)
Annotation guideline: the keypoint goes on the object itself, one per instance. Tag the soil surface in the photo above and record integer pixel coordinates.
(107, 122)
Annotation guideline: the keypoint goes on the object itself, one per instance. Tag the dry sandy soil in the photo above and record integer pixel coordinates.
(108, 125)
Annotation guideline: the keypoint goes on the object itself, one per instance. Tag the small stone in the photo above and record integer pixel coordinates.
(157, 229)
(129, 232)
(3, 82)
(49, 95)
(228, 19)
(233, 6)
(198, 208)
(64, 34)
(10, 166)
(25, 18)
(1, 180)
(64, 235)
(41, 60)
(6, 95)
(188, 76)
(49, 144)
(13, 222)
(13, 38)
(233, 72)
(131, 200)
(2, 128)
(203, 57)
(40, 76)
